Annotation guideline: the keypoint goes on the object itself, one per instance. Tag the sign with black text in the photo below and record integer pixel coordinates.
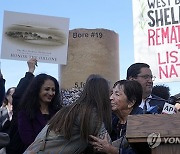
(28, 36)
(157, 37)
(168, 109)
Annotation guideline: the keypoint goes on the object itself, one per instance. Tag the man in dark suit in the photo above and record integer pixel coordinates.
(142, 73)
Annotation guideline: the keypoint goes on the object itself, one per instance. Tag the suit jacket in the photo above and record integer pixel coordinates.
(153, 102)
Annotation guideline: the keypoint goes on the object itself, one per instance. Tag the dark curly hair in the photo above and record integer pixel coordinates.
(30, 99)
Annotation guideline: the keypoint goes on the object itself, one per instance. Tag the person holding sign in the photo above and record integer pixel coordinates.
(35, 100)
(16, 145)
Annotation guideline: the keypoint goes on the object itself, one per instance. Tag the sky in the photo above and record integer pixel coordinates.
(115, 15)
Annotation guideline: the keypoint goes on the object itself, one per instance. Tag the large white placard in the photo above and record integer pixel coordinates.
(157, 37)
(28, 35)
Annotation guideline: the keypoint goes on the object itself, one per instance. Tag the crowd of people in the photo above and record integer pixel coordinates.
(34, 118)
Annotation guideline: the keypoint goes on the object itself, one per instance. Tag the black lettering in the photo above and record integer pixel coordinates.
(166, 16)
(74, 35)
(76, 85)
(151, 4)
(48, 58)
(82, 84)
(163, 3)
(159, 18)
(80, 35)
(172, 16)
(157, 3)
(177, 1)
(151, 24)
(18, 56)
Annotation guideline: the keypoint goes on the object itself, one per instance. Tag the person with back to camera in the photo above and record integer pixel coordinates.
(126, 96)
(39, 103)
(141, 72)
(162, 91)
(68, 131)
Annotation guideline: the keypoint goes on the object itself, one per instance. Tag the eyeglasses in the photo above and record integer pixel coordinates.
(147, 77)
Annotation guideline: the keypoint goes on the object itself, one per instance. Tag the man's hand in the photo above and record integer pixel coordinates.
(31, 64)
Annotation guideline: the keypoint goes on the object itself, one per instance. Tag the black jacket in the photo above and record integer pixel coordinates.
(15, 146)
(155, 101)
(2, 90)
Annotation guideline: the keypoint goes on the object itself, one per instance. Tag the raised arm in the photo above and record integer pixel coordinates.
(24, 82)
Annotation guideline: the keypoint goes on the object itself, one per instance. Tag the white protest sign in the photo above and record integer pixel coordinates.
(28, 35)
(157, 37)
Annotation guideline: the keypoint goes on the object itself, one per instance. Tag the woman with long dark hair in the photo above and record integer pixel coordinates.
(39, 103)
(68, 131)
